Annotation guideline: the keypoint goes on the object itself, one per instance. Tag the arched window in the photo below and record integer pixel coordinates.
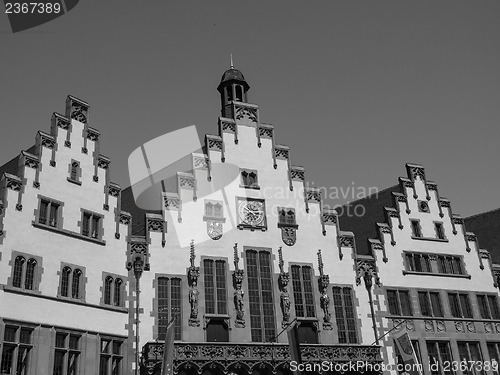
(75, 286)
(117, 297)
(65, 281)
(218, 210)
(209, 209)
(229, 91)
(74, 171)
(30, 274)
(107, 290)
(18, 272)
(290, 217)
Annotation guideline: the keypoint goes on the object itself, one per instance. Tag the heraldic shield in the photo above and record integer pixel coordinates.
(405, 344)
(214, 229)
(289, 235)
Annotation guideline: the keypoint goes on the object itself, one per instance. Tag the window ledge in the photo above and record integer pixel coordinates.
(429, 239)
(286, 225)
(74, 181)
(254, 187)
(436, 274)
(214, 218)
(10, 289)
(68, 233)
(446, 318)
(251, 227)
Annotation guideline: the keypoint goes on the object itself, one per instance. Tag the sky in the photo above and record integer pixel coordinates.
(355, 88)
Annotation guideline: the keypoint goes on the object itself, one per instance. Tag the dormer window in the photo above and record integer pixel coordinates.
(249, 179)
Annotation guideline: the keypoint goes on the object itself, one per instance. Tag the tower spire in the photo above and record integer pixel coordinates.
(232, 65)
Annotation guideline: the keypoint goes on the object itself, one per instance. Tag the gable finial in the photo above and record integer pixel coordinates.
(232, 65)
(192, 254)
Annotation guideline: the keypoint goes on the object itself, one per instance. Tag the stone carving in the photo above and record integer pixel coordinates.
(289, 235)
(471, 327)
(266, 132)
(62, 123)
(440, 326)
(313, 196)
(67, 143)
(200, 162)
(459, 326)
(214, 143)
(78, 112)
(346, 241)
(13, 184)
(242, 111)
(103, 162)
(281, 152)
(416, 171)
(31, 162)
(324, 300)
(172, 203)
(429, 325)
(114, 191)
(193, 274)
(297, 174)
(92, 135)
(125, 219)
(19, 207)
(155, 225)
(238, 291)
(283, 280)
(367, 269)
(214, 229)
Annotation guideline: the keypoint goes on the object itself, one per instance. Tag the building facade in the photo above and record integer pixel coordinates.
(233, 246)
(436, 283)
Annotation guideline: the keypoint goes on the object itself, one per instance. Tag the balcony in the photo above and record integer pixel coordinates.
(223, 358)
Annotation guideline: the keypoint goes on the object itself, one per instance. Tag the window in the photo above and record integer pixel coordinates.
(303, 291)
(249, 178)
(214, 210)
(469, 351)
(344, 315)
(439, 231)
(430, 304)
(460, 305)
(169, 304)
(71, 283)
(67, 353)
(286, 216)
(260, 294)
(415, 228)
(215, 286)
(450, 264)
(494, 352)
(113, 291)
(399, 302)
(488, 306)
(239, 93)
(48, 214)
(24, 274)
(418, 262)
(16, 350)
(74, 172)
(439, 353)
(111, 357)
(91, 224)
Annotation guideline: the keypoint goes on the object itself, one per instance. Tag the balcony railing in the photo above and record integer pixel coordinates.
(249, 356)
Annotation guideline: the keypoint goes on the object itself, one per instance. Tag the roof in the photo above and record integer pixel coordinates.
(11, 166)
(486, 227)
(233, 75)
(363, 222)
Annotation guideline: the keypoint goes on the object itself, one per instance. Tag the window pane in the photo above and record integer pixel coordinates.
(297, 292)
(75, 288)
(7, 359)
(444, 351)
(60, 340)
(116, 366)
(65, 281)
(25, 336)
(308, 292)
(349, 314)
(86, 224)
(339, 314)
(175, 292)
(495, 314)
(454, 305)
(42, 217)
(117, 347)
(105, 344)
(95, 227)
(103, 366)
(72, 363)
(424, 304)
(74, 342)
(208, 266)
(162, 307)
(22, 360)
(53, 214)
(220, 272)
(18, 272)
(483, 308)
(30, 274)
(217, 331)
(465, 304)
(404, 297)
(117, 297)
(254, 296)
(433, 357)
(392, 301)
(107, 290)
(10, 334)
(58, 362)
(436, 304)
(267, 295)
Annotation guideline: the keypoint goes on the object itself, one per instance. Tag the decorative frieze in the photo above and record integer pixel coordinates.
(30, 160)
(214, 142)
(266, 131)
(125, 218)
(103, 162)
(77, 109)
(200, 162)
(92, 134)
(114, 189)
(297, 173)
(186, 181)
(366, 268)
(415, 171)
(12, 182)
(60, 121)
(282, 152)
(313, 195)
(244, 110)
(46, 140)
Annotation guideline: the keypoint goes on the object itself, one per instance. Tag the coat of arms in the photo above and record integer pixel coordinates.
(214, 229)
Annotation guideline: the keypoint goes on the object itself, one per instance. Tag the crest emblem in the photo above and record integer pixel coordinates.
(405, 344)
(289, 235)
(214, 229)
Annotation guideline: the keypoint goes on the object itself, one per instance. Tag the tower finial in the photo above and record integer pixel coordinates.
(232, 65)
